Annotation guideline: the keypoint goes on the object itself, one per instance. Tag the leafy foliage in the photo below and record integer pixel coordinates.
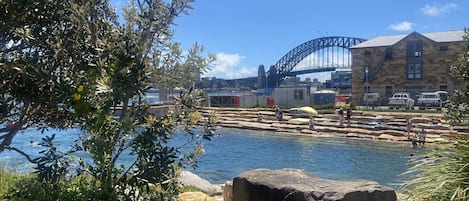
(70, 63)
(30, 188)
(52, 179)
(45, 50)
(8, 179)
(458, 108)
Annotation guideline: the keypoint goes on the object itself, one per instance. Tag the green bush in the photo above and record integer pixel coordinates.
(7, 181)
(30, 188)
(353, 106)
(325, 107)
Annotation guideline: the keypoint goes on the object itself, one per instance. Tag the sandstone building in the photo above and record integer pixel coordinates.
(414, 63)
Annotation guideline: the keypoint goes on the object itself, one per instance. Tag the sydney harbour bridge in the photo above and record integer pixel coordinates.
(323, 54)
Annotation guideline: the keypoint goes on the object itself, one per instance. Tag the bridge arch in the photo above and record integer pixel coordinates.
(297, 54)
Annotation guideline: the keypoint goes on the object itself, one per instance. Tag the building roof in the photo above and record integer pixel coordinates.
(441, 37)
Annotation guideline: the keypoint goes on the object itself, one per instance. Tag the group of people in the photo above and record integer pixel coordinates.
(417, 137)
(348, 115)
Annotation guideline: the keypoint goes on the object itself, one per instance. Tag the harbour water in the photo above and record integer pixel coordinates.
(237, 151)
(232, 152)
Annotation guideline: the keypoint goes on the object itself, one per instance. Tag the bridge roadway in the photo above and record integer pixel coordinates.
(307, 71)
(253, 80)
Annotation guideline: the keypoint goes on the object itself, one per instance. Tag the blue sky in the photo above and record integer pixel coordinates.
(246, 33)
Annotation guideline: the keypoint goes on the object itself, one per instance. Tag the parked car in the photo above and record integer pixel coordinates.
(429, 99)
(443, 97)
(401, 100)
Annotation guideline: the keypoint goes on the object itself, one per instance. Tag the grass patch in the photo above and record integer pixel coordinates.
(7, 180)
(189, 188)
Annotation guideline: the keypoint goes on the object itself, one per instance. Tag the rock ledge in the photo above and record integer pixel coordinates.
(294, 184)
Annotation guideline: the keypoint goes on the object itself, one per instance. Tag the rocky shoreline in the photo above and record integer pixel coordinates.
(373, 125)
(370, 125)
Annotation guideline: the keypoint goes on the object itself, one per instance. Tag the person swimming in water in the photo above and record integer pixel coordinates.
(411, 157)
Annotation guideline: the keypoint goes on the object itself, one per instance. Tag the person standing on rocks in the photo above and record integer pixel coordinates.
(349, 115)
(311, 123)
(280, 116)
(341, 117)
(409, 127)
(422, 136)
(277, 111)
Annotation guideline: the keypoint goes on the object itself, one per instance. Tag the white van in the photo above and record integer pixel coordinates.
(401, 100)
(429, 99)
(443, 97)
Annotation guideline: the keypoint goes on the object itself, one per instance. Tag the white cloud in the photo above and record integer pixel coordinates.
(434, 10)
(403, 26)
(227, 66)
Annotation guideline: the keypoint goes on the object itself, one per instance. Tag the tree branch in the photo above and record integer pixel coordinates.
(7, 138)
(20, 152)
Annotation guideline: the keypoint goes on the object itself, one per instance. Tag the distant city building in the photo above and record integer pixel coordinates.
(341, 80)
(411, 63)
(317, 85)
(290, 81)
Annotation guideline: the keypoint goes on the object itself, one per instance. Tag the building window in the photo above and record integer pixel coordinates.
(299, 94)
(443, 48)
(367, 53)
(414, 71)
(414, 59)
(414, 48)
(443, 88)
(388, 91)
(388, 53)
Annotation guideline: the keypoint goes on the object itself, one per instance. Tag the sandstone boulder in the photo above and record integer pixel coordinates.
(309, 131)
(357, 135)
(431, 140)
(299, 121)
(294, 184)
(392, 132)
(190, 179)
(195, 196)
(287, 126)
(392, 137)
(257, 126)
(424, 120)
(228, 191)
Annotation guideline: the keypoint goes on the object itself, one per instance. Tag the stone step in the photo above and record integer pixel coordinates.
(374, 124)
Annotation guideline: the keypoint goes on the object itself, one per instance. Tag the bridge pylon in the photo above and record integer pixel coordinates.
(272, 77)
(261, 77)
